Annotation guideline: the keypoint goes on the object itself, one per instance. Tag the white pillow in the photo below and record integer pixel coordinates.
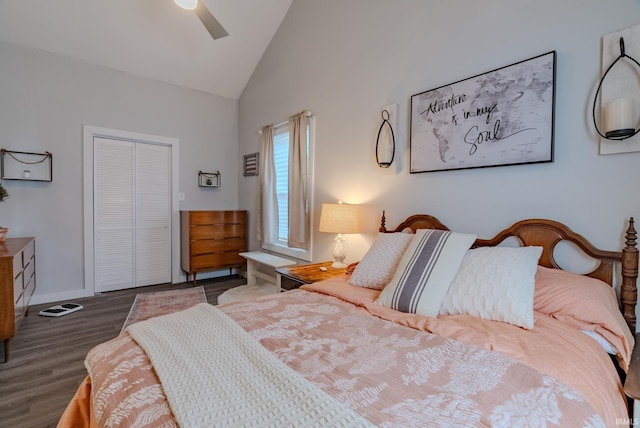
(426, 271)
(495, 283)
(377, 267)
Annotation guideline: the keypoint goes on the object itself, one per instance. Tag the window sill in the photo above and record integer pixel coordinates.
(286, 251)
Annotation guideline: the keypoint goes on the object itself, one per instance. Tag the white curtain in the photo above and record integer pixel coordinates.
(267, 227)
(299, 232)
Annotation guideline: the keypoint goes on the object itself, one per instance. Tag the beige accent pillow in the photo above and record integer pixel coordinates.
(377, 267)
(426, 271)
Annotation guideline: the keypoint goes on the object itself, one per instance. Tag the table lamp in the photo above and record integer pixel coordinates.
(339, 218)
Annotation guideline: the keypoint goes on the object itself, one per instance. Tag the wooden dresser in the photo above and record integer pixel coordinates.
(212, 240)
(17, 284)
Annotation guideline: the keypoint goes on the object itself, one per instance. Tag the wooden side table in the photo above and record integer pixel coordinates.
(294, 276)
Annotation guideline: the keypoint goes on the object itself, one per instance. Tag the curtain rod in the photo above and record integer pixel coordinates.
(309, 114)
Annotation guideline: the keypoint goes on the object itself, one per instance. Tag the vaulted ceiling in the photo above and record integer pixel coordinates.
(150, 38)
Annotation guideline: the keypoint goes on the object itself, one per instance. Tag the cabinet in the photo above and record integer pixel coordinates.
(212, 240)
(295, 276)
(17, 284)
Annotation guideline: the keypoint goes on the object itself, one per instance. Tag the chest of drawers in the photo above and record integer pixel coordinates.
(17, 284)
(212, 240)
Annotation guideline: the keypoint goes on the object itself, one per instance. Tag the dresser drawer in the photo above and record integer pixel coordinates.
(29, 270)
(29, 288)
(289, 283)
(218, 231)
(208, 261)
(18, 287)
(205, 246)
(217, 217)
(28, 252)
(17, 263)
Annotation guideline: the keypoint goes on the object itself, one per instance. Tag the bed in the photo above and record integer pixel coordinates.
(513, 341)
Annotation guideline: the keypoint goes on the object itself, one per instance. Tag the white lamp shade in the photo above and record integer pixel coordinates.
(339, 218)
(187, 4)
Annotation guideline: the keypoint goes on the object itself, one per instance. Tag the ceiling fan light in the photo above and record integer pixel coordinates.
(187, 4)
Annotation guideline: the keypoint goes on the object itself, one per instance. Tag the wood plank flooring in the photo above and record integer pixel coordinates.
(46, 363)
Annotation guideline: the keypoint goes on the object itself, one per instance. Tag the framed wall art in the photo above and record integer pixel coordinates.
(502, 117)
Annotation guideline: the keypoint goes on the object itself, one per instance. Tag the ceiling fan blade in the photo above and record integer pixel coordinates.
(212, 25)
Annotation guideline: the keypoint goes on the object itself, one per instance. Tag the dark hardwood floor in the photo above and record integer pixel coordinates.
(46, 362)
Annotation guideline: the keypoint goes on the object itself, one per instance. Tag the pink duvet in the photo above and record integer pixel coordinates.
(551, 347)
(390, 374)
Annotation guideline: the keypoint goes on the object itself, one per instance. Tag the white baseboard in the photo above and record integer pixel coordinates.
(39, 299)
(216, 274)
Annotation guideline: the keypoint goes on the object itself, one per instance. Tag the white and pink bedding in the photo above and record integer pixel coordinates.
(391, 368)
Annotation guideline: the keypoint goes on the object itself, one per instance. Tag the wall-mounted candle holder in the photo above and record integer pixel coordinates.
(620, 114)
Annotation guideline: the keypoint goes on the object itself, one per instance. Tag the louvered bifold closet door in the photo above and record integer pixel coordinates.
(132, 214)
(113, 214)
(153, 214)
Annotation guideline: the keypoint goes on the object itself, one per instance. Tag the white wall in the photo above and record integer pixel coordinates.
(344, 60)
(44, 102)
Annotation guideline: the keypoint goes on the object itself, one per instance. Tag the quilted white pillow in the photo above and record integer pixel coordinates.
(426, 271)
(377, 267)
(495, 283)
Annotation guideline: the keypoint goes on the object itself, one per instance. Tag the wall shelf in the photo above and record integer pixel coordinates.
(209, 179)
(26, 166)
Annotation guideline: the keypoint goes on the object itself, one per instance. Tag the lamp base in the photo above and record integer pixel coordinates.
(338, 252)
(620, 133)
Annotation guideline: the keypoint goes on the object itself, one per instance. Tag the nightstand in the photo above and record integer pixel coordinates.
(294, 276)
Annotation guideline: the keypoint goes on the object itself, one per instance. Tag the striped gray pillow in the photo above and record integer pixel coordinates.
(425, 272)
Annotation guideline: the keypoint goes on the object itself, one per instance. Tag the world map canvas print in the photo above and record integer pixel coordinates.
(502, 117)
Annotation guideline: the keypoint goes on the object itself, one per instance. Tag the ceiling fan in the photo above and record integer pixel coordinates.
(212, 25)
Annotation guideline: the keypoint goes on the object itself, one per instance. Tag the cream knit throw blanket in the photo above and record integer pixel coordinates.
(215, 374)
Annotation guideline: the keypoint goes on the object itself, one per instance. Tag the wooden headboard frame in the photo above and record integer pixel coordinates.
(547, 234)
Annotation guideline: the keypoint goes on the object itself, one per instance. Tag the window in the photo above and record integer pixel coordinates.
(281, 161)
(281, 164)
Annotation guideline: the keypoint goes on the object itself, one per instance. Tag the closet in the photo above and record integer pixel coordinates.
(131, 213)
